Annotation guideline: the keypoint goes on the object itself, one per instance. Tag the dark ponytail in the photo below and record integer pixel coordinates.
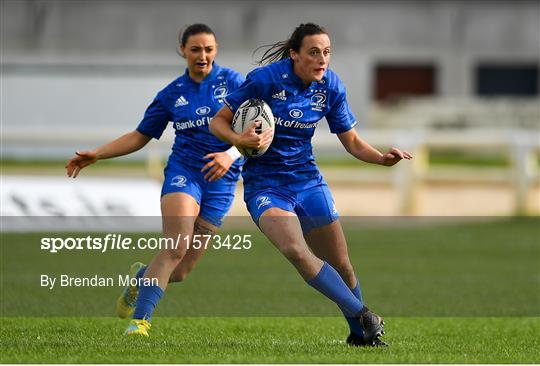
(281, 50)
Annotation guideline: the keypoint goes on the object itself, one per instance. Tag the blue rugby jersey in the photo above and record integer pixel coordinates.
(297, 111)
(190, 106)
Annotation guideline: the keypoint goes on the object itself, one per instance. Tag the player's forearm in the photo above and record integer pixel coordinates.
(221, 128)
(125, 144)
(364, 151)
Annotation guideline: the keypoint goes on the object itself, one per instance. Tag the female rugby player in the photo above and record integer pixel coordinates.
(200, 176)
(284, 191)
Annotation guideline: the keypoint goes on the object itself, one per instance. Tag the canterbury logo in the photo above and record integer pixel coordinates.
(281, 95)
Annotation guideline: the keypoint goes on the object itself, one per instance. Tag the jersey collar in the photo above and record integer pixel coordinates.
(210, 77)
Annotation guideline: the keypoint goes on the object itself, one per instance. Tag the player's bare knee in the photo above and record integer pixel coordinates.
(182, 275)
(175, 254)
(201, 228)
(179, 275)
(296, 254)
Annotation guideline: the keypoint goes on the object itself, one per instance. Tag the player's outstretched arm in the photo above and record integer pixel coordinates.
(123, 145)
(220, 126)
(361, 150)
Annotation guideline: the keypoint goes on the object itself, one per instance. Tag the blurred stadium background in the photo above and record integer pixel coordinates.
(455, 82)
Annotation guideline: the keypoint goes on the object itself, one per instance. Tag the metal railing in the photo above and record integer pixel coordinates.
(520, 146)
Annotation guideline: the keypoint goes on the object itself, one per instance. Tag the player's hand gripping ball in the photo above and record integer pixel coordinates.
(250, 112)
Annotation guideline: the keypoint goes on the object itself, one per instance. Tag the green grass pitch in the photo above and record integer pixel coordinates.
(464, 292)
(269, 340)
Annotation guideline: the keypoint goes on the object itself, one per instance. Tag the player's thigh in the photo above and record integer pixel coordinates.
(179, 212)
(283, 229)
(273, 211)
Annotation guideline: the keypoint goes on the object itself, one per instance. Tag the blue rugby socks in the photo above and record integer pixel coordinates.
(330, 284)
(354, 324)
(357, 292)
(140, 273)
(147, 300)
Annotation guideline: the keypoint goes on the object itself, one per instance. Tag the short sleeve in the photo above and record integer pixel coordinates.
(236, 80)
(155, 119)
(251, 88)
(340, 118)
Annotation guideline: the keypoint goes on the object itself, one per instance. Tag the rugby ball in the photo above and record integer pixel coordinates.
(247, 114)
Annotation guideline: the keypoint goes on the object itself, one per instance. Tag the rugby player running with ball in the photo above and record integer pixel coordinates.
(285, 194)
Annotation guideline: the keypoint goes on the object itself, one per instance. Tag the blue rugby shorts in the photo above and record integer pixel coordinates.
(311, 200)
(214, 198)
